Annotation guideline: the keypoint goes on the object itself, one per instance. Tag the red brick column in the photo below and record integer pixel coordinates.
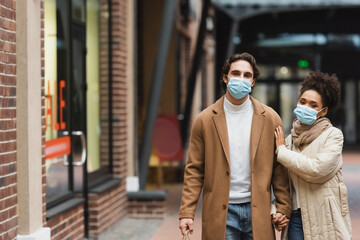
(8, 171)
(119, 111)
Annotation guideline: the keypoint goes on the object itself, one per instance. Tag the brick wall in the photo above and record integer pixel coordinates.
(104, 82)
(69, 225)
(106, 209)
(149, 209)
(119, 25)
(8, 172)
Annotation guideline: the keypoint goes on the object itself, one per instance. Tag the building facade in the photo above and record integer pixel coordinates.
(78, 77)
(75, 76)
(64, 79)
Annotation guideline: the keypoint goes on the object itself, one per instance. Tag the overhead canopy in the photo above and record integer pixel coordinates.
(284, 2)
(281, 32)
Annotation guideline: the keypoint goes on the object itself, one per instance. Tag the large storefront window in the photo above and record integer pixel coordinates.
(78, 10)
(97, 72)
(77, 97)
(57, 146)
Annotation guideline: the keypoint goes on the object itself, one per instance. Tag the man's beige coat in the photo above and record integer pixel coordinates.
(322, 192)
(208, 168)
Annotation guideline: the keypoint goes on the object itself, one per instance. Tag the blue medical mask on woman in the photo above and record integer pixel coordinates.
(238, 87)
(306, 115)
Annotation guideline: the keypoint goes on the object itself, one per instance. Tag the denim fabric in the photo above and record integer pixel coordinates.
(295, 230)
(238, 222)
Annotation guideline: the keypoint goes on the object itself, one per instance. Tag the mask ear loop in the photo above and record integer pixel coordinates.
(320, 112)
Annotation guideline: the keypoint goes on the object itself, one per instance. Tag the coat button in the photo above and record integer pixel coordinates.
(224, 206)
(227, 173)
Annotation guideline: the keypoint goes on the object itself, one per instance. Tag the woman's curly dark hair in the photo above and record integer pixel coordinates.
(328, 86)
(237, 57)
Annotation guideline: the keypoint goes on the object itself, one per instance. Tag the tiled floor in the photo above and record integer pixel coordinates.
(170, 227)
(167, 229)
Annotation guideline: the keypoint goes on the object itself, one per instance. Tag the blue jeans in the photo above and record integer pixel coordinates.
(238, 222)
(295, 231)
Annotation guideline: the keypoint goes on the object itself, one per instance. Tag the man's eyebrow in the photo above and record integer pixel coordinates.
(240, 71)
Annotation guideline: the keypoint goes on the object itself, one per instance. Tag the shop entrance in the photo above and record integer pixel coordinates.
(77, 83)
(65, 90)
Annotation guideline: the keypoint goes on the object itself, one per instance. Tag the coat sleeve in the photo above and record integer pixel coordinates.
(194, 172)
(323, 166)
(280, 184)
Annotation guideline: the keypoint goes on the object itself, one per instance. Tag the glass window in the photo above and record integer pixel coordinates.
(56, 171)
(78, 10)
(97, 67)
(75, 123)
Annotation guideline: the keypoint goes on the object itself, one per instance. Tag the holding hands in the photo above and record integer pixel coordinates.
(279, 221)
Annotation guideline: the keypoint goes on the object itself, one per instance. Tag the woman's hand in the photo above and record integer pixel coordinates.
(279, 136)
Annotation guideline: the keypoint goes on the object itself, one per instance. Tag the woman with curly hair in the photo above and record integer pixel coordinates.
(312, 153)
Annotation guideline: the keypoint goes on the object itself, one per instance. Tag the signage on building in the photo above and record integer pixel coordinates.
(57, 147)
(51, 119)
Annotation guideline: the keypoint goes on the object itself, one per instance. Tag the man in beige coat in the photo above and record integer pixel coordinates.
(231, 157)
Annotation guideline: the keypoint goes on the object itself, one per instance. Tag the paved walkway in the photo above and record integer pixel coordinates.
(167, 229)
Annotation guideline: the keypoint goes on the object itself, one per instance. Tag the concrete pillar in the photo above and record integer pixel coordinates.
(28, 63)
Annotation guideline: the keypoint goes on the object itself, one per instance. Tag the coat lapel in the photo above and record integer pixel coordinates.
(221, 128)
(256, 127)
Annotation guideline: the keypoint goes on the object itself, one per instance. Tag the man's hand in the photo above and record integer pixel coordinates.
(280, 221)
(280, 137)
(186, 226)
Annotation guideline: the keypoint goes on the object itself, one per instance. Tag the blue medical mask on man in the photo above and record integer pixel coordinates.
(306, 115)
(239, 87)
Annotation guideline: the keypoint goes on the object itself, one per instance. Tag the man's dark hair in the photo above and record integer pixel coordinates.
(236, 57)
(328, 86)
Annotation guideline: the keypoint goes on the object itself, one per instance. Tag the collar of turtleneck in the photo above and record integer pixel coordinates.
(231, 108)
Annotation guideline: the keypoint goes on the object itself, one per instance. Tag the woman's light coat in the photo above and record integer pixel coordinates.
(322, 192)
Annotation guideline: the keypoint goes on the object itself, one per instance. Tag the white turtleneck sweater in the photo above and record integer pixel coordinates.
(238, 120)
